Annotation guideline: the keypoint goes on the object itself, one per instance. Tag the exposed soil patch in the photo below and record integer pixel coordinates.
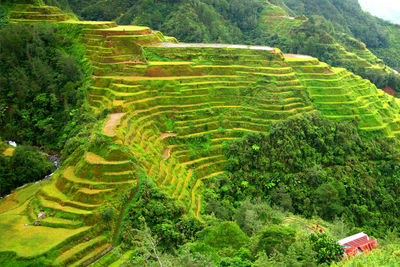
(166, 135)
(166, 154)
(109, 128)
(287, 17)
(389, 90)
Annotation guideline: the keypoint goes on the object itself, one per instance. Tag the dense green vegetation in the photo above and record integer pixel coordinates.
(256, 234)
(313, 166)
(26, 165)
(346, 16)
(223, 21)
(280, 194)
(307, 165)
(3, 17)
(41, 76)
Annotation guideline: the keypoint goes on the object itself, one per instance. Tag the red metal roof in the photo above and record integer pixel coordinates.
(358, 243)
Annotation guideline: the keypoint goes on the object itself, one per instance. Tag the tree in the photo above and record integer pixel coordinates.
(277, 238)
(224, 235)
(326, 248)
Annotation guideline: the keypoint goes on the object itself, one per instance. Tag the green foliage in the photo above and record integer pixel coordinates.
(327, 249)
(252, 216)
(8, 259)
(383, 256)
(225, 235)
(25, 166)
(346, 15)
(163, 215)
(190, 21)
(41, 74)
(107, 215)
(3, 17)
(345, 19)
(276, 238)
(319, 168)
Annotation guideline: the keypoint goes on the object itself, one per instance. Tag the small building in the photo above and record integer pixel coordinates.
(358, 243)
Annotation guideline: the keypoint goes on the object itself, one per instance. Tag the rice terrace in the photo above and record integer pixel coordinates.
(177, 140)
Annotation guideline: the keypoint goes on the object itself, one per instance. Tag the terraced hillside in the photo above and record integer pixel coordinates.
(171, 108)
(345, 50)
(36, 13)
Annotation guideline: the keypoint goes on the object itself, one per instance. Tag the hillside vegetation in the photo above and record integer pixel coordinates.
(338, 32)
(41, 79)
(199, 154)
(380, 36)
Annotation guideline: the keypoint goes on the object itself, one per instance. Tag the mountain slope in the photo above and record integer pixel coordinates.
(329, 34)
(171, 108)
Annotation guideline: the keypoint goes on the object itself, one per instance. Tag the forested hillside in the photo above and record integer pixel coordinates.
(347, 16)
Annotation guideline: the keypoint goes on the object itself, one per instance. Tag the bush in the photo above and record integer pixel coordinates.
(327, 249)
(225, 235)
(25, 166)
(107, 215)
(276, 238)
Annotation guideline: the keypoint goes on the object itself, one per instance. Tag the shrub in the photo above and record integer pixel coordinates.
(327, 249)
(277, 238)
(224, 235)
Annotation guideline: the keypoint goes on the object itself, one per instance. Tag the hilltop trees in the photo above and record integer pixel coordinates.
(223, 21)
(40, 79)
(346, 16)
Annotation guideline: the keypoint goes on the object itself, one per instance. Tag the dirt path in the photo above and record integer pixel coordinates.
(251, 47)
(166, 154)
(296, 56)
(167, 134)
(286, 17)
(109, 128)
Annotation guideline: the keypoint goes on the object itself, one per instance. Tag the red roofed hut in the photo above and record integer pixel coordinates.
(358, 243)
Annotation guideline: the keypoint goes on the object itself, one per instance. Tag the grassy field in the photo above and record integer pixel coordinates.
(30, 241)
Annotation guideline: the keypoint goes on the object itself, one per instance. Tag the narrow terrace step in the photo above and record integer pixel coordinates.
(36, 8)
(96, 159)
(248, 69)
(92, 255)
(70, 177)
(77, 252)
(55, 222)
(38, 16)
(181, 185)
(92, 196)
(121, 30)
(51, 192)
(57, 207)
(92, 24)
(135, 80)
(30, 21)
(122, 177)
